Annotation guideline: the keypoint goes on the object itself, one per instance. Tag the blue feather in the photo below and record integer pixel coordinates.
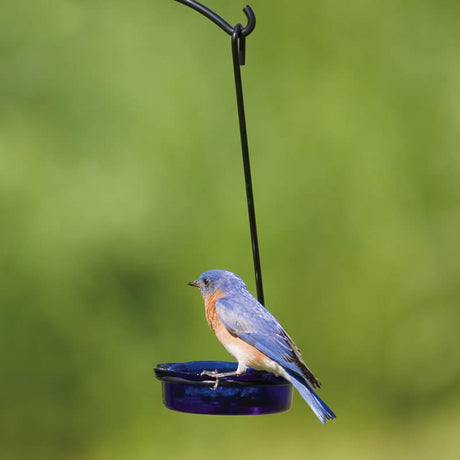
(245, 317)
(318, 406)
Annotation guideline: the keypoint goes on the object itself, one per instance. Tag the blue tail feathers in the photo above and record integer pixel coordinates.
(318, 406)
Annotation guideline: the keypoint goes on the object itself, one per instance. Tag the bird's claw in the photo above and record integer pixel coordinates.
(212, 374)
(209, 373)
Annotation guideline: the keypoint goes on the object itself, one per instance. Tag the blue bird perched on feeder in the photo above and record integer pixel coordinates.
(250, 333)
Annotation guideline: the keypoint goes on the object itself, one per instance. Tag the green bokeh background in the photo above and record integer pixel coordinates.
(121, 180)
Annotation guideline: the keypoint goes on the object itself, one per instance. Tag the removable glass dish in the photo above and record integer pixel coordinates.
(251, 393)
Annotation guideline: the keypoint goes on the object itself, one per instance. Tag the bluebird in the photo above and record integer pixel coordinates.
(250, 333)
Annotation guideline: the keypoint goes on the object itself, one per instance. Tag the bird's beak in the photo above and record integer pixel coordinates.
(195, 283)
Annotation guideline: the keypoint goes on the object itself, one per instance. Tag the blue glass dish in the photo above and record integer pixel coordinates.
(251, 393)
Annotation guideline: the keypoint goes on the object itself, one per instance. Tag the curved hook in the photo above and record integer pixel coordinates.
(249, 12)
(222, 23)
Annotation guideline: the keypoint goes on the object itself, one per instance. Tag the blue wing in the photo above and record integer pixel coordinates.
(246, 318)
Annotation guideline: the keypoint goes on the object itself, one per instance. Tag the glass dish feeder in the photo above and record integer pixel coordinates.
(251, 393)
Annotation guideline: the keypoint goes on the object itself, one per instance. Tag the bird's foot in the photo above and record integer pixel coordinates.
(214, 374)
(210, 373)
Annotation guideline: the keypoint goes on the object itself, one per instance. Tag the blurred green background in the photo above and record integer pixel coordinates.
(121, 179)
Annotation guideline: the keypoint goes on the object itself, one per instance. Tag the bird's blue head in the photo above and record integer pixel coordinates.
(214, 281)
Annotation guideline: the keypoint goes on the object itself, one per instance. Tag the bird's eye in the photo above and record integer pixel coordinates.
(206, 282)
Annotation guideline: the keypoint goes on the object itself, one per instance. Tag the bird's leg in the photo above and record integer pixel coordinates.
(240, 370)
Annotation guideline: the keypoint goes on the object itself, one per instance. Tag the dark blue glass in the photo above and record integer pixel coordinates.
(251, 393)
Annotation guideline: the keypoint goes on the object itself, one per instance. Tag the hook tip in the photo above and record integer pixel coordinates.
(250, 15)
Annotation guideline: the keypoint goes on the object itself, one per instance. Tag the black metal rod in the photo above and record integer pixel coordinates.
(222, 23)
(236, 37)
(239, 34)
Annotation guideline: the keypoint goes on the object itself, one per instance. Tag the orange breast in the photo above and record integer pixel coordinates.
(211, 314)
